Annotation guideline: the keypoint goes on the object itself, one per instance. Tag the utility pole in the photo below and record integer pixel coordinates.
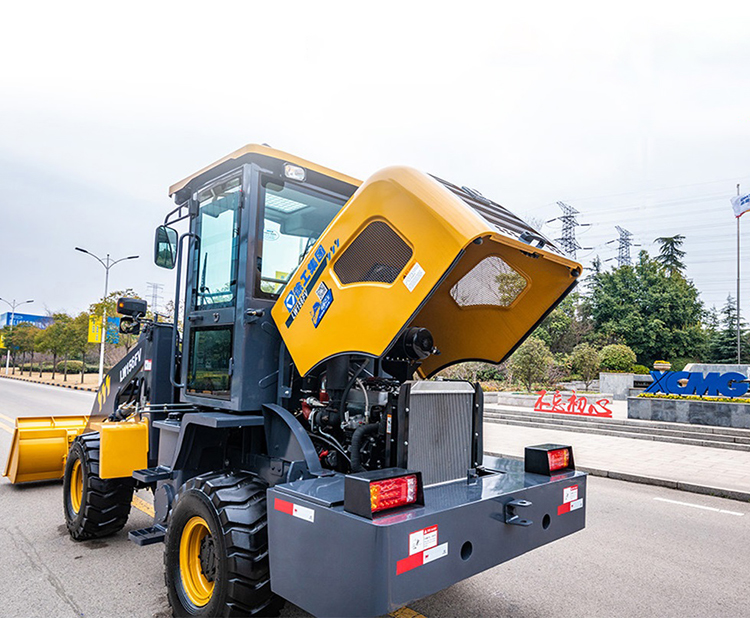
(107, 263)
(567, 240)
(739, 343)
(12, 306)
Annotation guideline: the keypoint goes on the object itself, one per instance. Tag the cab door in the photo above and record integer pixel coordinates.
(208, 364)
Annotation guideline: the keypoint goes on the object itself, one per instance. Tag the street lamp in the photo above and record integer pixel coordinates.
(12, 306)
(107, 263)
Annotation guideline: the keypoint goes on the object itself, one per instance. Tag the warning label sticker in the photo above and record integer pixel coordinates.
(423, 539)
(570, 506)
(413, 277)
(570, 494)
(423, 548)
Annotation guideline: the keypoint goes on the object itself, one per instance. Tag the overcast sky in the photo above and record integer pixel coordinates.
(637, 116)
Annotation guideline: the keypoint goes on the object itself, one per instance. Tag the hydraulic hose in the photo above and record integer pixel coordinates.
(358, 438)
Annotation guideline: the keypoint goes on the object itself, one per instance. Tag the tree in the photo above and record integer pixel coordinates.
(54, 338)
(78, 340)
(566, 326)
(670, 255)
(531, 361)
(722, 347)
(110, 304)
(617, 357)
(658, 316)
(585, 361)
(23, 339)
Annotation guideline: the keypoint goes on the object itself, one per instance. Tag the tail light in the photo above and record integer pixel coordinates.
(390, 493)
(558, 459)
(548, 458)
(372, 492)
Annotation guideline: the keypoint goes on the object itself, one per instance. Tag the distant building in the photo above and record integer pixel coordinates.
(40, 321)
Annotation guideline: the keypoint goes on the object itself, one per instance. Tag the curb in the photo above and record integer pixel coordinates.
(32, 381)
(719, 492)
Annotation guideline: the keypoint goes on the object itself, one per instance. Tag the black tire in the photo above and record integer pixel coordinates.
(233, 508)
(103, 504)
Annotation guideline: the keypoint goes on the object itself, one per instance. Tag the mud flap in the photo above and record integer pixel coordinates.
(40, 446)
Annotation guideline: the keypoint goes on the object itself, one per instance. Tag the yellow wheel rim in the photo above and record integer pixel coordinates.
(76, 486)
(196, 537)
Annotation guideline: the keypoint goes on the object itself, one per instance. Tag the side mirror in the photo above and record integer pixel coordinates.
(128, 326)
(165, 247)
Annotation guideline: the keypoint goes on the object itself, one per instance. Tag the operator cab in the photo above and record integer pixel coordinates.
(253, 217)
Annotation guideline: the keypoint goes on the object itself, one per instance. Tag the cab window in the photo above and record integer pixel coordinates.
(294, 216)
(216, 249)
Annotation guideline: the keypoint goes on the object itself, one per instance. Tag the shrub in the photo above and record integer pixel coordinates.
(585, 361)
(531, 361)
(617, 358)
(640, 370)
(74, 366)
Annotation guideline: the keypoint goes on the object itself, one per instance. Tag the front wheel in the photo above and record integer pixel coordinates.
(216, 549)
(93, 507)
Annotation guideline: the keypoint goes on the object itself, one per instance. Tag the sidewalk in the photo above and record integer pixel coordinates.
(73, 381)
(689, 468)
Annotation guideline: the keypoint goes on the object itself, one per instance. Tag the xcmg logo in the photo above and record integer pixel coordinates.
(730, 384)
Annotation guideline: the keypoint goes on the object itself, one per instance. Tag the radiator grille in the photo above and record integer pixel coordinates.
(377, 254)
(440, 430)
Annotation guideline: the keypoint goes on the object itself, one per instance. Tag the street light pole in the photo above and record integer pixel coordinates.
(12, 306)
(107, 263)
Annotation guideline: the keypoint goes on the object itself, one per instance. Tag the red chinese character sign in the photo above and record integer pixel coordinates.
(574, 404)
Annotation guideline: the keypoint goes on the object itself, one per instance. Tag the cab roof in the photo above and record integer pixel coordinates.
(263, 150)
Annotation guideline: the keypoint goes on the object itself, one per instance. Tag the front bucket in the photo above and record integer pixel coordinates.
(40, 446)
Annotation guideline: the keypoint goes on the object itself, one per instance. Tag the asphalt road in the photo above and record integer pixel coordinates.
(646, 551)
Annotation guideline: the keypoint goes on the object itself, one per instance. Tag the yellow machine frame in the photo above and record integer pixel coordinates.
(447, 239)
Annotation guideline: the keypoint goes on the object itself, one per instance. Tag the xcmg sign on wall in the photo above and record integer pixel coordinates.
(730, 384)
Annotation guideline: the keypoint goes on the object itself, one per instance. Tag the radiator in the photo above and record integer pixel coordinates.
(441, 421)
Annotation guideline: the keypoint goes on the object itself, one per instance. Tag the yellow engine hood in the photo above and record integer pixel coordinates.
(410, 250)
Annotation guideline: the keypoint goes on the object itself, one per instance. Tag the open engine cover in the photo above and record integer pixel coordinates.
(411, 250)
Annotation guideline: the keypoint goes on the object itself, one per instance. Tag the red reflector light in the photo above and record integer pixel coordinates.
(558, 459)
(390, 493)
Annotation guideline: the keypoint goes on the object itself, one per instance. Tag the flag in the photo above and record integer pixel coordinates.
(95, 329)
(113, 330)
(740, 204)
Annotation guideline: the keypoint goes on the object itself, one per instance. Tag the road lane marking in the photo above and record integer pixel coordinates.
(143, 506)
(12, 421)
(406, 612)
(700, 506)
(4, 426)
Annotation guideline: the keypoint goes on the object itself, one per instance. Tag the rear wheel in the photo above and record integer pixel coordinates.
(93, 507)
(216, 549)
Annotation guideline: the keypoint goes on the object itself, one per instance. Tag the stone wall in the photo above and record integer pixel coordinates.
(716, 413)
(617, 383)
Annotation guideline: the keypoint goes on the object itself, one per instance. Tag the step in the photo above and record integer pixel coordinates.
(147, 536)
(676, 430)
(625, 434)
(152, 475)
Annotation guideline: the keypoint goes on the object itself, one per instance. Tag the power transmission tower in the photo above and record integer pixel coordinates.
(154, 290)
(567, 240)
(624, 242)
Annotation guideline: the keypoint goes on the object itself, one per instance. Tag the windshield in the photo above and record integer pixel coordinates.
(293, 219)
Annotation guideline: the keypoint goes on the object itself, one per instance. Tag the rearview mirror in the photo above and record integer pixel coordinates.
(165, 247)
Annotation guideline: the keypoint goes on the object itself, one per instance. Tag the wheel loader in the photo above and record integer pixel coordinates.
(291, 423)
